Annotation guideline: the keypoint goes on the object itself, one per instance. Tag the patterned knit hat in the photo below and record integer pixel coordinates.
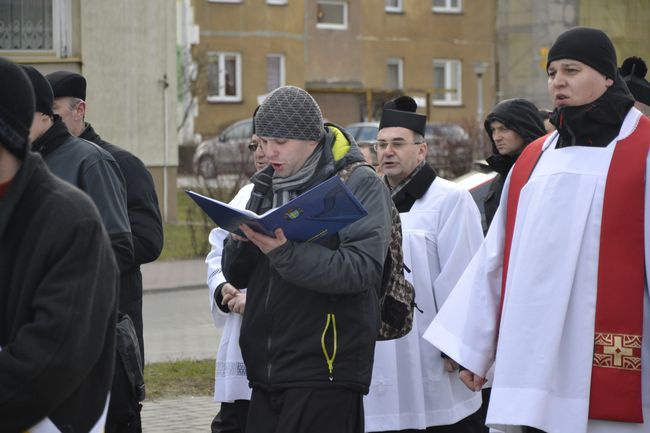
(16, 108)
(289, 112)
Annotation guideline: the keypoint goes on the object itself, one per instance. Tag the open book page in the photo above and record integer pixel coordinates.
(316, 214)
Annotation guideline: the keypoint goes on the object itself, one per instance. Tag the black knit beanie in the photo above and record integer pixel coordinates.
(589, 46)
(16, 108)
(289, 112)
(42, 91)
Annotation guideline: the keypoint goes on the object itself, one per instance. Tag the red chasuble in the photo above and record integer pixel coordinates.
(616, 372)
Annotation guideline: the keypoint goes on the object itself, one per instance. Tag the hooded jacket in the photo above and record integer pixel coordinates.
(522, 117)
(58, 282)
(312, 309)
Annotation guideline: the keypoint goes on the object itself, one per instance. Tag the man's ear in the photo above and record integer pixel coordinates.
(81, 110)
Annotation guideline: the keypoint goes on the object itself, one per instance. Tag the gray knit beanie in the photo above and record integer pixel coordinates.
(289, 112)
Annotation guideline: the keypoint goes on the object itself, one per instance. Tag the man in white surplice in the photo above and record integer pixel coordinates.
(441, 225)
(543, 345)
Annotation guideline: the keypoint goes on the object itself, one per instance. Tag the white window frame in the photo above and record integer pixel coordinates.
(332, 26)
(400, 70)
(61, 32)
(449, 101)
(276, 2)
(221, 59)
(448, 8)
(282, 70)
(395, 9)
(225, 1)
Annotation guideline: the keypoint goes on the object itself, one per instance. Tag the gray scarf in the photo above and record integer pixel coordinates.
(287, 188)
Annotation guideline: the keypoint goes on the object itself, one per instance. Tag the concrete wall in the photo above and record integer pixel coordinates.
(128, 56)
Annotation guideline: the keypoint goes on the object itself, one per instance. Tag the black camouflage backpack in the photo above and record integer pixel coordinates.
(397, 297)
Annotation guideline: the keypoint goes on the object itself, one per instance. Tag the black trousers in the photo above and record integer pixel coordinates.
(474, 423)
(231, 418)
(305, 410)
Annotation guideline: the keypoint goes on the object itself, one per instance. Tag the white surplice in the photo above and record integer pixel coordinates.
(230, 382)
(545, 344)
(410, 388)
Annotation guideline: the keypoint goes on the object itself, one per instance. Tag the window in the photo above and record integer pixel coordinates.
(332, 15)
(394, 6)
(224, 1)
(36, 26)
(447, 6)
(394, 73)
(224, 77)
(276, 2)
(274, 71)
(446, 82)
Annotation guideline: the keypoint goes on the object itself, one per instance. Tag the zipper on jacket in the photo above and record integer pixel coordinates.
(329, 359)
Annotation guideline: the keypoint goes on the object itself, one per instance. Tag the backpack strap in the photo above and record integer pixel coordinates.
(347, 170)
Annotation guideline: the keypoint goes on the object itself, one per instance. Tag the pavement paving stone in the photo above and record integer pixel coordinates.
(174, 274)
(178, 325)
(181, 415)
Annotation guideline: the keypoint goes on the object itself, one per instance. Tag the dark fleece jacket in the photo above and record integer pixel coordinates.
(523, 117)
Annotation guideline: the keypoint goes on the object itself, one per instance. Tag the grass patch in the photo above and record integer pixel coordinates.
(173, 379)
(178, 243)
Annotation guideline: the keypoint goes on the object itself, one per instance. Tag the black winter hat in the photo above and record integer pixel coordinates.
(589, 46)
(401, 112)
(633, 71)
(16, 108)
(66, 83)
(289, 112)
(42, 91)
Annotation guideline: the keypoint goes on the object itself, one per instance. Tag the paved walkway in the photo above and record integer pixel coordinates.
(183, 415)
(178, 325)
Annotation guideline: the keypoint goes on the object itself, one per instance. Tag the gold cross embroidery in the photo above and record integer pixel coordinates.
(618, 350)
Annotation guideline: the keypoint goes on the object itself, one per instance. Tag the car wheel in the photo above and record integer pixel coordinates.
(207, 168)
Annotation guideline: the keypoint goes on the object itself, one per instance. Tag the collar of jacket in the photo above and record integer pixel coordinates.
(338, 149)
(501, 163)
(17, 189)
(90, 134)
(595, 124)
(415, 188)
(53, 138)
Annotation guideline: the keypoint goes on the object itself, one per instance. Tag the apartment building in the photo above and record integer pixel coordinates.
(352, 55)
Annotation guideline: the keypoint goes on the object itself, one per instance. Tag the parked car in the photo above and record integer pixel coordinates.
(449, 145)
(226, 153)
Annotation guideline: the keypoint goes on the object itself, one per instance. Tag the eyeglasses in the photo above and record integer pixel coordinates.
(395, 144)
(252, 146)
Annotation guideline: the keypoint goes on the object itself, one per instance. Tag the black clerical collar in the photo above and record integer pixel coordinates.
(414, 188)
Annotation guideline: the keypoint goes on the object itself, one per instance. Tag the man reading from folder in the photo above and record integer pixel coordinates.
(312, 313)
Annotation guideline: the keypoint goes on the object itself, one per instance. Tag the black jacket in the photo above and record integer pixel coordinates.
(146, 226)
(95, 172)
(295, 288)
(141, 200)
(523, 117)
(58, 282)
